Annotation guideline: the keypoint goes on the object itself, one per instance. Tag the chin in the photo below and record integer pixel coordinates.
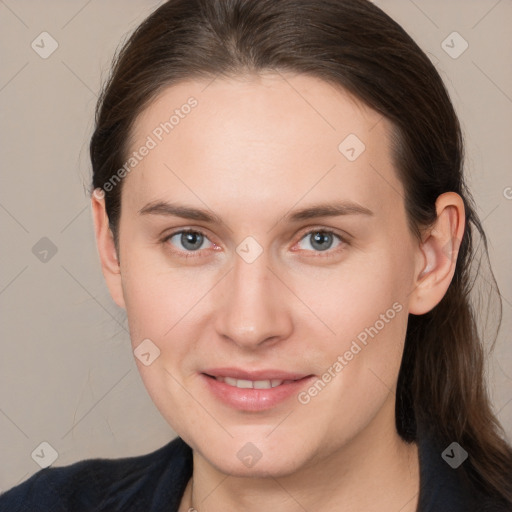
(261, 469)
(253, 462)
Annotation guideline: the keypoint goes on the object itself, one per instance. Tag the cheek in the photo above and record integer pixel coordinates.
(364, 309)
(352, 296)
(360, 361)
(156, 293)
(147, 305)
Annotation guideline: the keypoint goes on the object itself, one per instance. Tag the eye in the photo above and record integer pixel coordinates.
(321, 240)
(191, 241)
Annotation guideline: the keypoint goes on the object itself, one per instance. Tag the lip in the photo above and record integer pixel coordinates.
(249, 399)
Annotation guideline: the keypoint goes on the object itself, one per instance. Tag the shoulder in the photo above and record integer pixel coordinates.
(150, 482)
(445, 485)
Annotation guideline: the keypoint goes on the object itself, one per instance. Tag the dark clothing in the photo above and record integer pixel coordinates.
(156, 482)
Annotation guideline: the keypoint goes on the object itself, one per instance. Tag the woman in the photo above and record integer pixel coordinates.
(233, 140)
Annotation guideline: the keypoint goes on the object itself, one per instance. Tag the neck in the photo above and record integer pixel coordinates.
(375, 471)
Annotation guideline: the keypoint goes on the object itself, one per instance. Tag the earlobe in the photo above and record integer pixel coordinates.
(106, 248)
(438, 254)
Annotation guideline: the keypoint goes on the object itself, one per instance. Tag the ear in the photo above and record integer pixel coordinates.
(438, 253)
(106, 248)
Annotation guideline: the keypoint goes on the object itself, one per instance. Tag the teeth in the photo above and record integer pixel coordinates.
(242, 384)
(254, 384)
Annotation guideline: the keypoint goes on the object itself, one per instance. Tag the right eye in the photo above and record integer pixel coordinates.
(190, 240)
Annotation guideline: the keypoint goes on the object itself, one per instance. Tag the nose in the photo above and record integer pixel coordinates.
(253, 307)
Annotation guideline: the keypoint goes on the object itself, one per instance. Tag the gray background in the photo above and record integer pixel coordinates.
(68, 376)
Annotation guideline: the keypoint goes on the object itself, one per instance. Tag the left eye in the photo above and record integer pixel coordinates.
(321, 240)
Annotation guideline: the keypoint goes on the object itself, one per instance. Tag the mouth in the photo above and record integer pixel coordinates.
(253, 391)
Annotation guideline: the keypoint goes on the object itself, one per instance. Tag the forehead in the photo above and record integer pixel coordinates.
(260, 139)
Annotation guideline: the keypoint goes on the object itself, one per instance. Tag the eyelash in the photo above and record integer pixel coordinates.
(321, 254)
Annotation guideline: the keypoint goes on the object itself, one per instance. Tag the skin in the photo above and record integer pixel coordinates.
(253, 150)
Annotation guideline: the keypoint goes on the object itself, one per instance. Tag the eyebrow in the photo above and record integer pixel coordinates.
(312, 212)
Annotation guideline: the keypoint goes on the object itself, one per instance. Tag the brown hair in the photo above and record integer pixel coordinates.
(355, 45)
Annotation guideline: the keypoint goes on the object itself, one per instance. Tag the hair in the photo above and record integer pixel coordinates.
(354, 45)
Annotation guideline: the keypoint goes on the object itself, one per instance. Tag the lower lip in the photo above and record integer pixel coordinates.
(250, 399)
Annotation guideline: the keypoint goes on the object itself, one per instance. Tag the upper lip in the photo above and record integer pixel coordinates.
(269, 374)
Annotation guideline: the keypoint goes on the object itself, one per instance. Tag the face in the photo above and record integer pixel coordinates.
(266, 289)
